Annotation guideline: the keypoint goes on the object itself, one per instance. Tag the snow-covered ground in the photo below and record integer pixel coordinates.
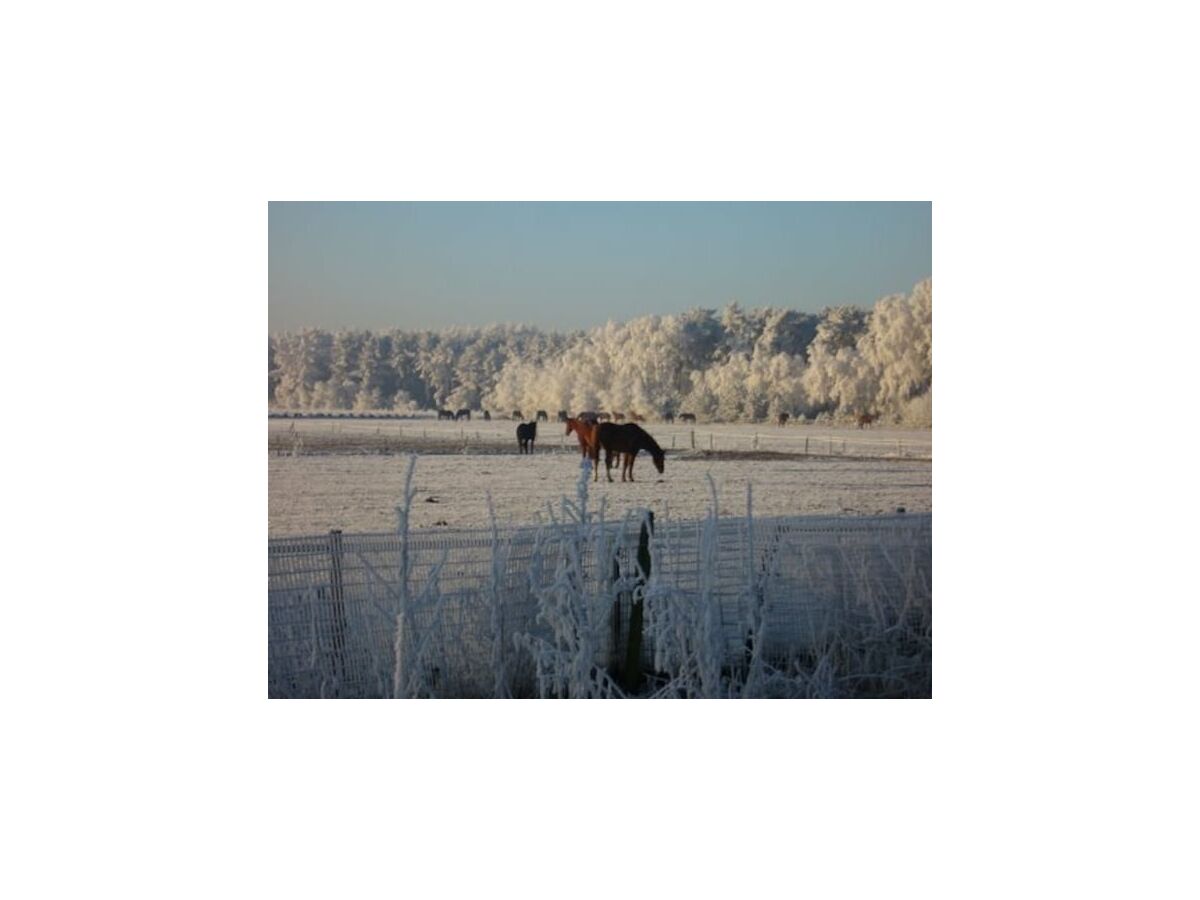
(355, 482)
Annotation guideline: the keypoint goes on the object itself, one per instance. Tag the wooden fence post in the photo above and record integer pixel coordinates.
(625, 662)
(614, 660)
(633, 653)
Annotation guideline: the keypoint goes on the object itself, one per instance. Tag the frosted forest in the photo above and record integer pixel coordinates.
(731, 365)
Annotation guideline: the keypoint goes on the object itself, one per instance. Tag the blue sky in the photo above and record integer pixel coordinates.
(576, 265)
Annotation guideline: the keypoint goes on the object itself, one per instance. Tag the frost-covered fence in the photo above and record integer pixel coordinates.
(295, 437)
(733, 606)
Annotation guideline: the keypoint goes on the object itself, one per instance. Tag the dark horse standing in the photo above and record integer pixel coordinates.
(526, 435)
(623, 440)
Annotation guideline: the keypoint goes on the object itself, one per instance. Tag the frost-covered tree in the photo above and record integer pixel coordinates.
(898, 347)
(273, 371)
(345, 374)
(376, 377)
(304, 362)
(787, 331)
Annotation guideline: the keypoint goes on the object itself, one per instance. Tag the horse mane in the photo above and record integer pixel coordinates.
(650, 444)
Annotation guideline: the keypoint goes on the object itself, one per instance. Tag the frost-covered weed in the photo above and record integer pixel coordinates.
(731, 631)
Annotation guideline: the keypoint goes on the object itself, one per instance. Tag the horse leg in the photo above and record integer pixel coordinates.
(608, 461)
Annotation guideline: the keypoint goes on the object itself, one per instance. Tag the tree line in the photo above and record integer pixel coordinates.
(732, 364)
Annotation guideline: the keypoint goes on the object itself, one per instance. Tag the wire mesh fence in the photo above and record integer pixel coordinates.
(537, 611)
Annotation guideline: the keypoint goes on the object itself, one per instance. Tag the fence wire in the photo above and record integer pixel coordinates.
(452, 613)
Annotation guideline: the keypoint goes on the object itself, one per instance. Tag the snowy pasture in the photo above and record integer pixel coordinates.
(826, 593)
(349, 473)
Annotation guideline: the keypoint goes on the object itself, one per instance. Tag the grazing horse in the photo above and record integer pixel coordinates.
(462, 414)
(585, 432)
(603, 417)
(445, 414)
(562, 415)
(517, 415)
(634, 417)
(669, 418)
(618, 417)
(687, 417)
(541, 416)
(782, 419)
(588, 416)
(866, 418)
(623, 440)
(487, 416)
(526, 435)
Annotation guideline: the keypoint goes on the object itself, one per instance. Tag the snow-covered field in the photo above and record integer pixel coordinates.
(349, 473)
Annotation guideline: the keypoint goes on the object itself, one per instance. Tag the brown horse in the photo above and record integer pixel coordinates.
(585, 432)
(623, 440)
(866, 418)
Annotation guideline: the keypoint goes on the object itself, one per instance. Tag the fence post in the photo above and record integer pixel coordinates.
(693, 438)
(806, 445)
(633, 653)
(614, 660)
(338, 603)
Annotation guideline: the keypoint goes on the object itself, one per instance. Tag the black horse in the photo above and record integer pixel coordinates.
(445, 414)
(625, 441)
(526, 435)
